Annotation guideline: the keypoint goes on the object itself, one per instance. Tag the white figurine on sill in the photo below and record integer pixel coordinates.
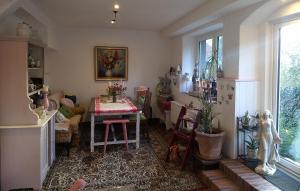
(267, 152)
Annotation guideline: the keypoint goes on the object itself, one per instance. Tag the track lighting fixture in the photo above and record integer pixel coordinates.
(115, 11)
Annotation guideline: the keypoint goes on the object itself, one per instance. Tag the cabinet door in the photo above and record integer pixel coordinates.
(44, 151)
(51, 140)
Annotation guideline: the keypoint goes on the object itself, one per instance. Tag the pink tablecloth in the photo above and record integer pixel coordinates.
(124, 105)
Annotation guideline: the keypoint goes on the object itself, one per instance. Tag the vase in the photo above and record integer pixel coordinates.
(114, 97)
(108, 73)
(45, 100)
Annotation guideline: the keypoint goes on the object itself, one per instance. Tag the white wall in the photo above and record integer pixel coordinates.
(16, 11)
(71, 66)
(240, 65)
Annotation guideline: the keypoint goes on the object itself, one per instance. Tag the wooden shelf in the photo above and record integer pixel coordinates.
(34, 92)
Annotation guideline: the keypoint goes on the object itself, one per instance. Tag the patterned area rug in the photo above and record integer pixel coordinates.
(144, 168)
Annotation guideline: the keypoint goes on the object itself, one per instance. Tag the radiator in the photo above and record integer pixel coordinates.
(175, 109)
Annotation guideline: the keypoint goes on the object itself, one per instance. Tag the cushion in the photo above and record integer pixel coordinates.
(141, 100)
(56, 97)
(62, 126)
(63, 133)
(66, 112)
(78, 110)
(67, 102)
(60, 118)
(71, 97)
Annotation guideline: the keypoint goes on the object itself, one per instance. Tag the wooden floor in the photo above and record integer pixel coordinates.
(233, 175)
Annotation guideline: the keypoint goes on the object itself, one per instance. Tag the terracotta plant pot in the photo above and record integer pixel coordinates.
(210, 145)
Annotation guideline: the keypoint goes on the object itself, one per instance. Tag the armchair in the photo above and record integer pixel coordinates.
(67, 131)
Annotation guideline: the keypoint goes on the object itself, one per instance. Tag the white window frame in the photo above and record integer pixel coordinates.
(207, 36)
(284, 163)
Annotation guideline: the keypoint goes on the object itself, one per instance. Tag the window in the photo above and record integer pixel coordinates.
(208, 67)
(288, 94)
(210, 57)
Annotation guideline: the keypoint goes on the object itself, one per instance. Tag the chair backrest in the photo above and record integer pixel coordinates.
(147, 110)
(180, 117)
(183, 120)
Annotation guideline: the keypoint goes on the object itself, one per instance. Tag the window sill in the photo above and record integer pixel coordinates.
(197, 96)
(193, 94)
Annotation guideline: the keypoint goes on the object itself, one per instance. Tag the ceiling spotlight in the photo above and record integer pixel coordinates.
(115, 12)
(116, 6)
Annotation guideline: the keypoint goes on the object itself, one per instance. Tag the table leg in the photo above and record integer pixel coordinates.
(138, 130)
(92, 131)
(113, 132)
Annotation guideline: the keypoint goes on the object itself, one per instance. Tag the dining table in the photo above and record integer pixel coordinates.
(100, 108)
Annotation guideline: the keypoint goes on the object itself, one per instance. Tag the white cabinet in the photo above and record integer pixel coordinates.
(27, 143)
(44, 151)
(27, 153)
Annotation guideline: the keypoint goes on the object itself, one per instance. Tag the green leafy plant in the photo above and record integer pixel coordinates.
(252, 143)
(246, 120)
(210, 66)
(206, 116)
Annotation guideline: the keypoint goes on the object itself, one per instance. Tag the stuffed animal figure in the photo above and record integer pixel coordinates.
(78, 184)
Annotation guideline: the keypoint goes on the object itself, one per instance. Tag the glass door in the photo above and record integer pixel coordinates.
(288, 91)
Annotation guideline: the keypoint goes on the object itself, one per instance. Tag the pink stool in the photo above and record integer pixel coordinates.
(115, 121)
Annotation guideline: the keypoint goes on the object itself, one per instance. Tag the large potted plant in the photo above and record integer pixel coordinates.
(210, 139)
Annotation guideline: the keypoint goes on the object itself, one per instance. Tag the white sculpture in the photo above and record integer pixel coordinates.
(267, 152)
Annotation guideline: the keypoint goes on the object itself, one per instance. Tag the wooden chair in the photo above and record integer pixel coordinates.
(183, 134)
(145, 116)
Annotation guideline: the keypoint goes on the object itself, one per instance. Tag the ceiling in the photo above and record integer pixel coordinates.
(151, 15)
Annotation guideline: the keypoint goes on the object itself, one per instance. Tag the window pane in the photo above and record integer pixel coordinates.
(289, 92)
(220, 52)
(205, 48)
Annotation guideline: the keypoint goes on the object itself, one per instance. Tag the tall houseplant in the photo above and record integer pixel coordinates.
(209, 69)
(209, 140)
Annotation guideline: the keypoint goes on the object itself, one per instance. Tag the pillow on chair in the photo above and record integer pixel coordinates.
(67, 102)
(78, 110)
(66, 112)
(60, 118)
(71, 97)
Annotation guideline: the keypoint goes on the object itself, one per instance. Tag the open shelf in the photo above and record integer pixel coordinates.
(34, 92)
(36, 68)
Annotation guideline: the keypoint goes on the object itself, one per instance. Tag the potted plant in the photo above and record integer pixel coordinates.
(252, 148)
(115, 89)
(210, 139)
(246, 120)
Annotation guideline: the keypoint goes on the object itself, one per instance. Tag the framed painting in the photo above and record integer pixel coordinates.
(111, 63)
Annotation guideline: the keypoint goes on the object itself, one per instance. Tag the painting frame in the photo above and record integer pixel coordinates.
(111, 63)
